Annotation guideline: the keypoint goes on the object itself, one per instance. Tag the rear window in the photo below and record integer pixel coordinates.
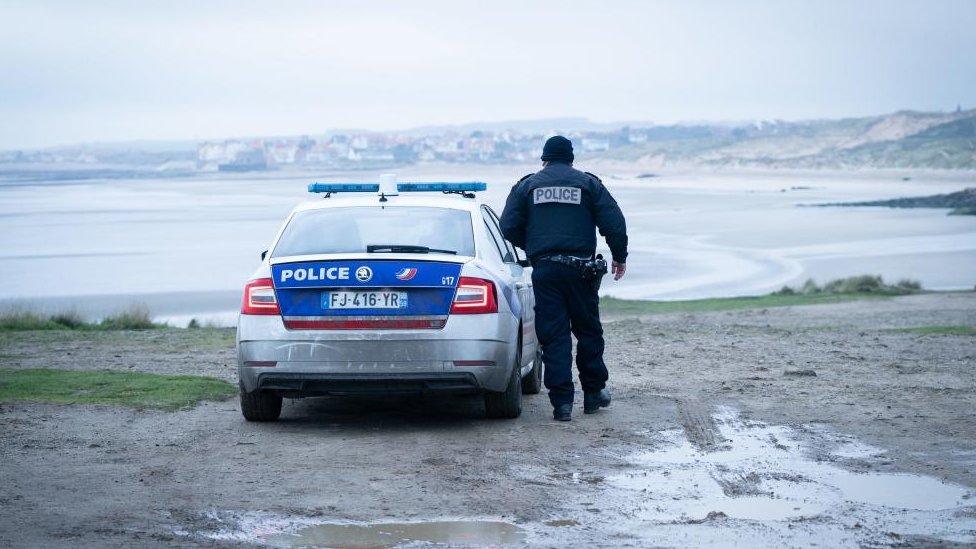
(350, 230)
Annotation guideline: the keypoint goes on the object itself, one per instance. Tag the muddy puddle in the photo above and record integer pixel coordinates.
(355, 536)
(766, 484)
(749, 484)
(273, 530)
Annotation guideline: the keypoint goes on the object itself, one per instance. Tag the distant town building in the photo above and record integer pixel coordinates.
(376, 149)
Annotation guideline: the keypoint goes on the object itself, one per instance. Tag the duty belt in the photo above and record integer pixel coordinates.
(589, 268)
(572, 260)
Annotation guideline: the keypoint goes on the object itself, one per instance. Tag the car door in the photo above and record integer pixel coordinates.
(523, 285)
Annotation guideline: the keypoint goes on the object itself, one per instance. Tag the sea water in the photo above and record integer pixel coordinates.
(185, 246)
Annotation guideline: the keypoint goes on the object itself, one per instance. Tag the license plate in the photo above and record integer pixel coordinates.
(364, 300)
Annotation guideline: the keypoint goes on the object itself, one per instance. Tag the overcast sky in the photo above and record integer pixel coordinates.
(109, 71)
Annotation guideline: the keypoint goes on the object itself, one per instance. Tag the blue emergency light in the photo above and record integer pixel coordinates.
(467, 187)
(343, 187)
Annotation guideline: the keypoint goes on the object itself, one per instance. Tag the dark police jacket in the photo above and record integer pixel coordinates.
(557, 211)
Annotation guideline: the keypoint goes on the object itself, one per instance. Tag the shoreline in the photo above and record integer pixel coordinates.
(9, 177)
(220, 308)
(694, 235)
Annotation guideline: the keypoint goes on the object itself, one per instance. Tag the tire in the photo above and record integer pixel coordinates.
(507, 404)
(258, 406)
(532, 383)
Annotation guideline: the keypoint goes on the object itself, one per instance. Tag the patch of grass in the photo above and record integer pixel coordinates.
(27, 320)
(810, 293)
(175, 339)
(69, 319)
(940, 330)
(201, 338)
(136, 389)
(195, 324)
(614, 306)
(863, 284)
(135, 317)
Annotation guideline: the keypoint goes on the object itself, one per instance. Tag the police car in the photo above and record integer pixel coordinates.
(389, 288)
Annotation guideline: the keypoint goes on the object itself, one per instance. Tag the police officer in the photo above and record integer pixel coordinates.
(553, 215)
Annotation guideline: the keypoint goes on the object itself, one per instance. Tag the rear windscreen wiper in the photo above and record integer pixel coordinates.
(405, 249)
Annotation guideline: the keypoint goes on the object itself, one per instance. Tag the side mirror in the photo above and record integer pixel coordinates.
(524, 263)
(264, 254)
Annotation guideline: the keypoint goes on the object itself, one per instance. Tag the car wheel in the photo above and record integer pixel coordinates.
(259, 406)
(532, 384)
(507, 404)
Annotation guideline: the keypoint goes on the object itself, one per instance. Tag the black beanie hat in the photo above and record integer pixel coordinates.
(558, 149)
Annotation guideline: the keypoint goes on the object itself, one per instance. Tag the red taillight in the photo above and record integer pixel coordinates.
(259, 298)
(474, 296)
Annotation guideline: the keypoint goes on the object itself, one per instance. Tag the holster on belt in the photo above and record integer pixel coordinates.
(591, 269)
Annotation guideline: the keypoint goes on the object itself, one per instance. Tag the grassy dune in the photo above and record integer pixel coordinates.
(613, 306)
(810, 293)
(135, 317)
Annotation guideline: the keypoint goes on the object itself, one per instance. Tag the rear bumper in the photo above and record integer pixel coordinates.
(308, 384)
(474, 353)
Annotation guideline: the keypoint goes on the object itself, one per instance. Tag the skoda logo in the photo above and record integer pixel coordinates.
(364, 274)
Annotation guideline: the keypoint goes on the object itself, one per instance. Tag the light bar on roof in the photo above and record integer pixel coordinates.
(343, 187)
(472, 186)
(329, 188)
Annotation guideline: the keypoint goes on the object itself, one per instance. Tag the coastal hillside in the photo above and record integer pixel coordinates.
(905, 139)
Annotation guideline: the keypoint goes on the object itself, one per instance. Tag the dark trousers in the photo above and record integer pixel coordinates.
(564, 304)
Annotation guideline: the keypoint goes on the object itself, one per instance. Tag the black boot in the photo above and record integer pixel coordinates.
(563, 412)
(596, 400)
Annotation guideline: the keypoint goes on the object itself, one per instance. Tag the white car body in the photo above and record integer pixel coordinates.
(470, 353)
